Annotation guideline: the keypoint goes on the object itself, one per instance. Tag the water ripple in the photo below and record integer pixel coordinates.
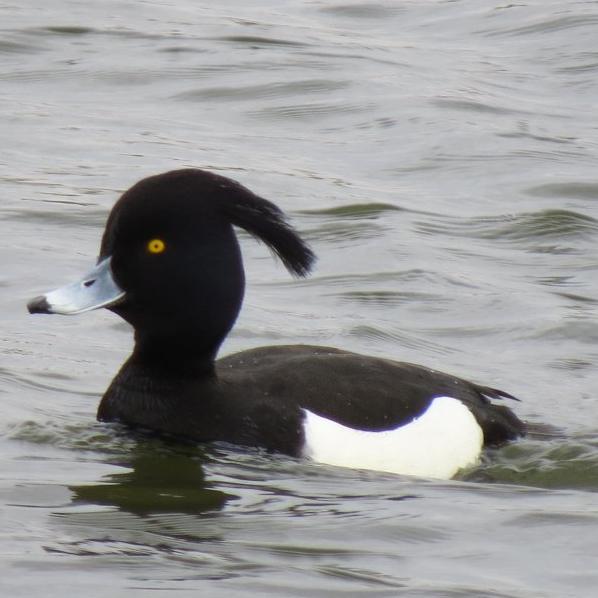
(363, 10)
(542, 225)
(310, 110)
(571, 189)
(251, 93)
(565, 463)
(255, 41)
(365, 210)
(548, 25)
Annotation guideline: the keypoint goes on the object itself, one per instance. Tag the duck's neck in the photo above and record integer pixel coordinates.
(181, 356)
(165, 374)
(153, 389)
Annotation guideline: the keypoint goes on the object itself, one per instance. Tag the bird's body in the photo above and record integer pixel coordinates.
(171, 264)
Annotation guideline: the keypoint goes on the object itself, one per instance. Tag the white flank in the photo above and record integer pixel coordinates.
(443, 440)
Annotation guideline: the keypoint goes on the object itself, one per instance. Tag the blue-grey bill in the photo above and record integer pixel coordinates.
(96, 289)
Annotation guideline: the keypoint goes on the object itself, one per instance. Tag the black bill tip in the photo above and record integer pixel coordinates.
(39, 305)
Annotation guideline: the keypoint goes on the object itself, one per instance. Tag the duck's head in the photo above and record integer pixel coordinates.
(170, 263)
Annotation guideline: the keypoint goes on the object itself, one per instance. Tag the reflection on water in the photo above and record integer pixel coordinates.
(156, 482)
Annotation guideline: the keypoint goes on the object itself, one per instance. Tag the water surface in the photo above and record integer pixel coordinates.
(439, 156)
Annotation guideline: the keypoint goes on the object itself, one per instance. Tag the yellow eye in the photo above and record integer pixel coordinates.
(156, 246)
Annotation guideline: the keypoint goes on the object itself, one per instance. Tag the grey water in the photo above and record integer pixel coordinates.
(440, 157)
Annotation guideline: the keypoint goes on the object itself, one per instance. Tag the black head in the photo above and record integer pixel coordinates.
(175, 254)
(170, 263)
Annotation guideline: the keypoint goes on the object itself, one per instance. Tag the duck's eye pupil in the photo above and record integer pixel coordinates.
(156, 246)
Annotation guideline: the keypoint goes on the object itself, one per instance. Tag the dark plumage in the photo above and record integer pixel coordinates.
(183, 300)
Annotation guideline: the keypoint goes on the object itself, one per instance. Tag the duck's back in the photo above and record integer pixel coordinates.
(357, 391)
